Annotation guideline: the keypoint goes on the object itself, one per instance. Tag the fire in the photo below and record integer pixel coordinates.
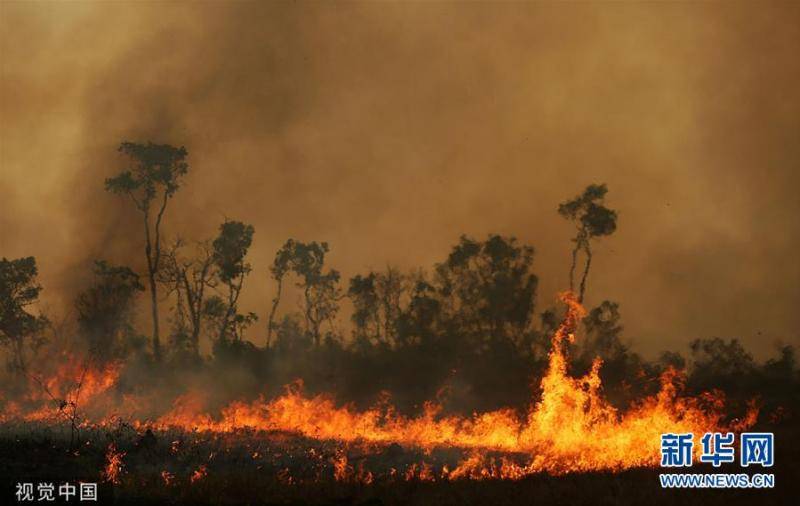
(199, 473)
(341, 470)
(168, 477)
(73, 387)
(114, 465)
(572, 427)
(421, 472)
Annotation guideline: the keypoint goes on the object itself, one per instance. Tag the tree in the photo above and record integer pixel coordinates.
(391, 286)
(603, 339)
(230, 249)
(280, 267)
(365, 317)
(190, 278)
(603, 332)
(105, 309)
(290, 336)
(320, 288)
(718, 362)
(18, 290)
(321, 293)
(154, 177)
(377, 298)
(592, 220)
(417, 323)
(488, 289)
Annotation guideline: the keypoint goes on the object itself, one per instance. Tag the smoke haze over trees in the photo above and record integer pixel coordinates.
(469, 331)
(392, 138)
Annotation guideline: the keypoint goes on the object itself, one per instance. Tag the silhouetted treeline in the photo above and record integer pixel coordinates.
(468, 330)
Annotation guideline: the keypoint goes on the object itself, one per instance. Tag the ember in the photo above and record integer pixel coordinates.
(114, 465)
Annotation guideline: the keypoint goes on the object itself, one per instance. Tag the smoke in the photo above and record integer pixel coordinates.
(389, 130)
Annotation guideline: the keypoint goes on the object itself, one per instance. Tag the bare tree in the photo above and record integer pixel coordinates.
(68, 407)
(190, 278)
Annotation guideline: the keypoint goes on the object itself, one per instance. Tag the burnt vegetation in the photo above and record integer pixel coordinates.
(469, 331)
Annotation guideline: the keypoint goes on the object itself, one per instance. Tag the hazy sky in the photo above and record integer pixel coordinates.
(390, 129)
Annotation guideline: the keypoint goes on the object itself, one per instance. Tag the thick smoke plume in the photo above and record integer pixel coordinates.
(389, 130)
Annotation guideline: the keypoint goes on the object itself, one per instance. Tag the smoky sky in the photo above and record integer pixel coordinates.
(390, 129)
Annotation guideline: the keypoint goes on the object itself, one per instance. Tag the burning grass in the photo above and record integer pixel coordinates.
(247, 466)
(571, 428)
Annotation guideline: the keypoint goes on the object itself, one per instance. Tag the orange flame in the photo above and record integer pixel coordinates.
(114, 465)
(74, 386)
(571, 428)
(199, 473)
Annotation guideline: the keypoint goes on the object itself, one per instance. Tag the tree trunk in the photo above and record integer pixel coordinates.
(312, 326)
(152, 266)
(275, 302)
(19, 356)
(154, 309)
(194, 301)
(233, 300)
(572, 268)
(585, 271)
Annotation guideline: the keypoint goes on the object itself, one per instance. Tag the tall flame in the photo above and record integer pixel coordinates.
(571, 428)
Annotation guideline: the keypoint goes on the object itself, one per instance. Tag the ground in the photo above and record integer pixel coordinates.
(173, 467)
